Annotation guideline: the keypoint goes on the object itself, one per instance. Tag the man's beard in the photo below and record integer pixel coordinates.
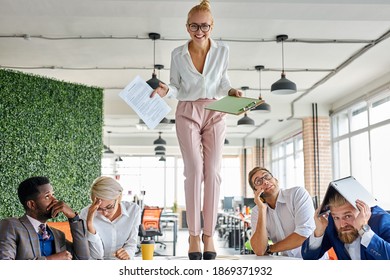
(43, 214)
(348, 237)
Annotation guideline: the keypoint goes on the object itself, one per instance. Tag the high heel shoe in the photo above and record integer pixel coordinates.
(194, 255)
(208, 255)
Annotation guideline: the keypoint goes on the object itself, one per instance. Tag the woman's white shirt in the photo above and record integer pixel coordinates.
(187, 84)
(113, 235)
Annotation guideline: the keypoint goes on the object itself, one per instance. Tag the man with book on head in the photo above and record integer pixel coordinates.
(357, 233)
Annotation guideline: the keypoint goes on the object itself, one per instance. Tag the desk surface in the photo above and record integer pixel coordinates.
(237, 257)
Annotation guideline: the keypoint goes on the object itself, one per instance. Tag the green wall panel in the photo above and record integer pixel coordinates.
(48, 128)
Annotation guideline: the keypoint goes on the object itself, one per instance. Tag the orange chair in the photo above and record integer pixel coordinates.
(151, 224)
(64, 227)
(332, 254)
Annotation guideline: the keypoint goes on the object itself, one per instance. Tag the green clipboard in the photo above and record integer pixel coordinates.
(234, 105)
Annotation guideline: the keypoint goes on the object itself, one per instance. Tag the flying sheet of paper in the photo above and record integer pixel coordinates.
(151, 110)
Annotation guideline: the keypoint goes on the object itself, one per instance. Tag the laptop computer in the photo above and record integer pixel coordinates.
(350, 189)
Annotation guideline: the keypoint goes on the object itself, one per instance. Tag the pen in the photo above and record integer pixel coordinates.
(248, 107)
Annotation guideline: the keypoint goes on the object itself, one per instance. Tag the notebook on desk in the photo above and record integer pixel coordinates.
(350, 189)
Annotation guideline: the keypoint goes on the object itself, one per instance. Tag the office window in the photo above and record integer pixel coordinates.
(287, 162)
(362, 150)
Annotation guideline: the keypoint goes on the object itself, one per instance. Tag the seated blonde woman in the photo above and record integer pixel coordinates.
(112, 223)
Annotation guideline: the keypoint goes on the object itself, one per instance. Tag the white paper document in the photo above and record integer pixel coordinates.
(151, 110)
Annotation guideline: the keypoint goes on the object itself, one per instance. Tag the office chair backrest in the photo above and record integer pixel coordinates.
(151, 220)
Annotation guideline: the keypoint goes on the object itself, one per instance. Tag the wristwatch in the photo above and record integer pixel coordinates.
(365, 228)
(268, 250)
(75, 219)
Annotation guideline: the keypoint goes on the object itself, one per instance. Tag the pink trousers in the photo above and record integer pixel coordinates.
(201, 136)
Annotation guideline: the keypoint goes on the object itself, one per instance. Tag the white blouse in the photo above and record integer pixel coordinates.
(111, 236)
(187, 84)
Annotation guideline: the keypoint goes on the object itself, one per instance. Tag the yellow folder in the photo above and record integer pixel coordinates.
(234, 105)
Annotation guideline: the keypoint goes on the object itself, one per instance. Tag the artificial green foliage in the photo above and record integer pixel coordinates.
(48, 128)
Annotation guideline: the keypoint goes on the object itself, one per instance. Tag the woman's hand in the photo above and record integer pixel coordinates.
(122, 254)
(235, 92)
(161, 90)
(91, 214)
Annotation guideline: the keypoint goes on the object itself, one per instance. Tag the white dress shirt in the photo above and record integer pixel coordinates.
(293, 212)
(111, 236)
(187, 84)
(35, 223)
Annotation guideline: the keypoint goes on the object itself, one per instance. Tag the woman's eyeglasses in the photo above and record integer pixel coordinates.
(195, 27)
(260, 180)
(108, 209)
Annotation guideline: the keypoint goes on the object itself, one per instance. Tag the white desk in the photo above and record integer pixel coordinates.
(237, 257)
(266, 257)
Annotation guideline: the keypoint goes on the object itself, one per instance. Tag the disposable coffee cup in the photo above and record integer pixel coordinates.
(147, 249)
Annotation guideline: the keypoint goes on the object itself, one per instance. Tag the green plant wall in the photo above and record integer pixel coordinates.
(48, 128)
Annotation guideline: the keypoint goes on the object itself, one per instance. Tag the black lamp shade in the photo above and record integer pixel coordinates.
(162, 158)
(159, 141)
(283, 86)
(262, 108)
(160, 149)
(153, 82)
(226, 142)
(245, 120)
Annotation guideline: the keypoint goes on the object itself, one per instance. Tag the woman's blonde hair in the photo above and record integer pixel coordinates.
(203, 6)
(106, 188)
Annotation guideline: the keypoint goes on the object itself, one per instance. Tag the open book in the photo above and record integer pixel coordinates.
(350, 189)
(234, 105)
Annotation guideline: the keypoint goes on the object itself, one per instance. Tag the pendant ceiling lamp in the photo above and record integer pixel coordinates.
(226, 142)
(154, 82)
(159, 141)
(245, 120)
(263, 107)
(160, 149)
(283, 86)
(118, 159)
(162, 158)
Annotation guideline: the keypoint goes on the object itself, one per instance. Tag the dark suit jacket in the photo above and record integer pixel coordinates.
(378, 249)
(19, 240)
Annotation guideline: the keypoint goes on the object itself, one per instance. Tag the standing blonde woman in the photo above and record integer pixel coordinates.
(198, 77)
(112, 223)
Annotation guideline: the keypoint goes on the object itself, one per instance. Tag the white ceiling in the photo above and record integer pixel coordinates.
(335, 49)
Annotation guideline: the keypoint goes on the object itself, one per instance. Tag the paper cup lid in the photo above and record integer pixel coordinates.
(150, 241)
